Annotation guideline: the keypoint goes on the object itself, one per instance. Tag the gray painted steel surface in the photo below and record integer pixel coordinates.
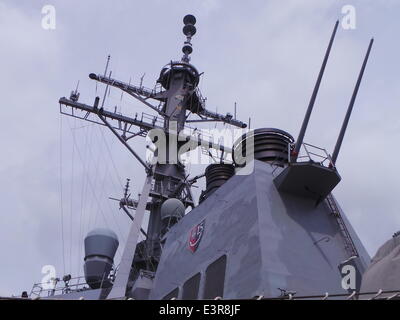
(272, 234)
(384, 271)
(272, 241)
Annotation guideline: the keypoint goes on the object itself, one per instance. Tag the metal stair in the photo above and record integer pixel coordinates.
(348, 241)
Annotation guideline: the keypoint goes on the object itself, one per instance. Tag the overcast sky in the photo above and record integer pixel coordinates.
(265, 55)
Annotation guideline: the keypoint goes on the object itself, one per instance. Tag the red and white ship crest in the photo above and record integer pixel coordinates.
(196, 233)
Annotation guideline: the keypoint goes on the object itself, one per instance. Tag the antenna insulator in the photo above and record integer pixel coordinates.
(189, 19)
(189, 30)
(187, 49)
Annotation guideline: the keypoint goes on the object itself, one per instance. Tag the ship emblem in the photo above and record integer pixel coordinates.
(196, 233)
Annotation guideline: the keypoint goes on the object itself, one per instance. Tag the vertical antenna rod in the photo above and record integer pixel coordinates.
(189, 30)
(77, 86)
(351, 104)
(107, 63)
(235, 112)
(303, 129)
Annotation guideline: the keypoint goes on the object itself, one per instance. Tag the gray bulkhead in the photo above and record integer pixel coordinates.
(271, 240)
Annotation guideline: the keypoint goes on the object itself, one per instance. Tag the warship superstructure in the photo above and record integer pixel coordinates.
(266, 226)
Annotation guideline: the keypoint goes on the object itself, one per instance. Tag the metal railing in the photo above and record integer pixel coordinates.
(57, 286)
(354, 295)
(314, 154)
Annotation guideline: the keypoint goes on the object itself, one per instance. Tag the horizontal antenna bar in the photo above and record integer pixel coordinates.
(145, 165)
(140, 92)
(108, 114)
(134, 91)
(222, 118)
(146, 126)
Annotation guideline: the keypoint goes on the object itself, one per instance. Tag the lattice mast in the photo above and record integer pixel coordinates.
(177, 98)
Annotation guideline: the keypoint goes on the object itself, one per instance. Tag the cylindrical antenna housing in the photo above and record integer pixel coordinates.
(216, 175)
(268, 144)
(100, 247)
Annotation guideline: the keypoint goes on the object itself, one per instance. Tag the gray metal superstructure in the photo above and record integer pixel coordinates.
(271, 241)
(267, 224)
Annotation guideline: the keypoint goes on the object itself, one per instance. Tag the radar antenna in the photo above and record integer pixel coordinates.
(189, 30)
(177, 97)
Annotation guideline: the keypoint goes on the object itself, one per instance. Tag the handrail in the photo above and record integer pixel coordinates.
(312, 154)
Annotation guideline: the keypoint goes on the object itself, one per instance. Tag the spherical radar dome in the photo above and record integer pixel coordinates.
(172, 208)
